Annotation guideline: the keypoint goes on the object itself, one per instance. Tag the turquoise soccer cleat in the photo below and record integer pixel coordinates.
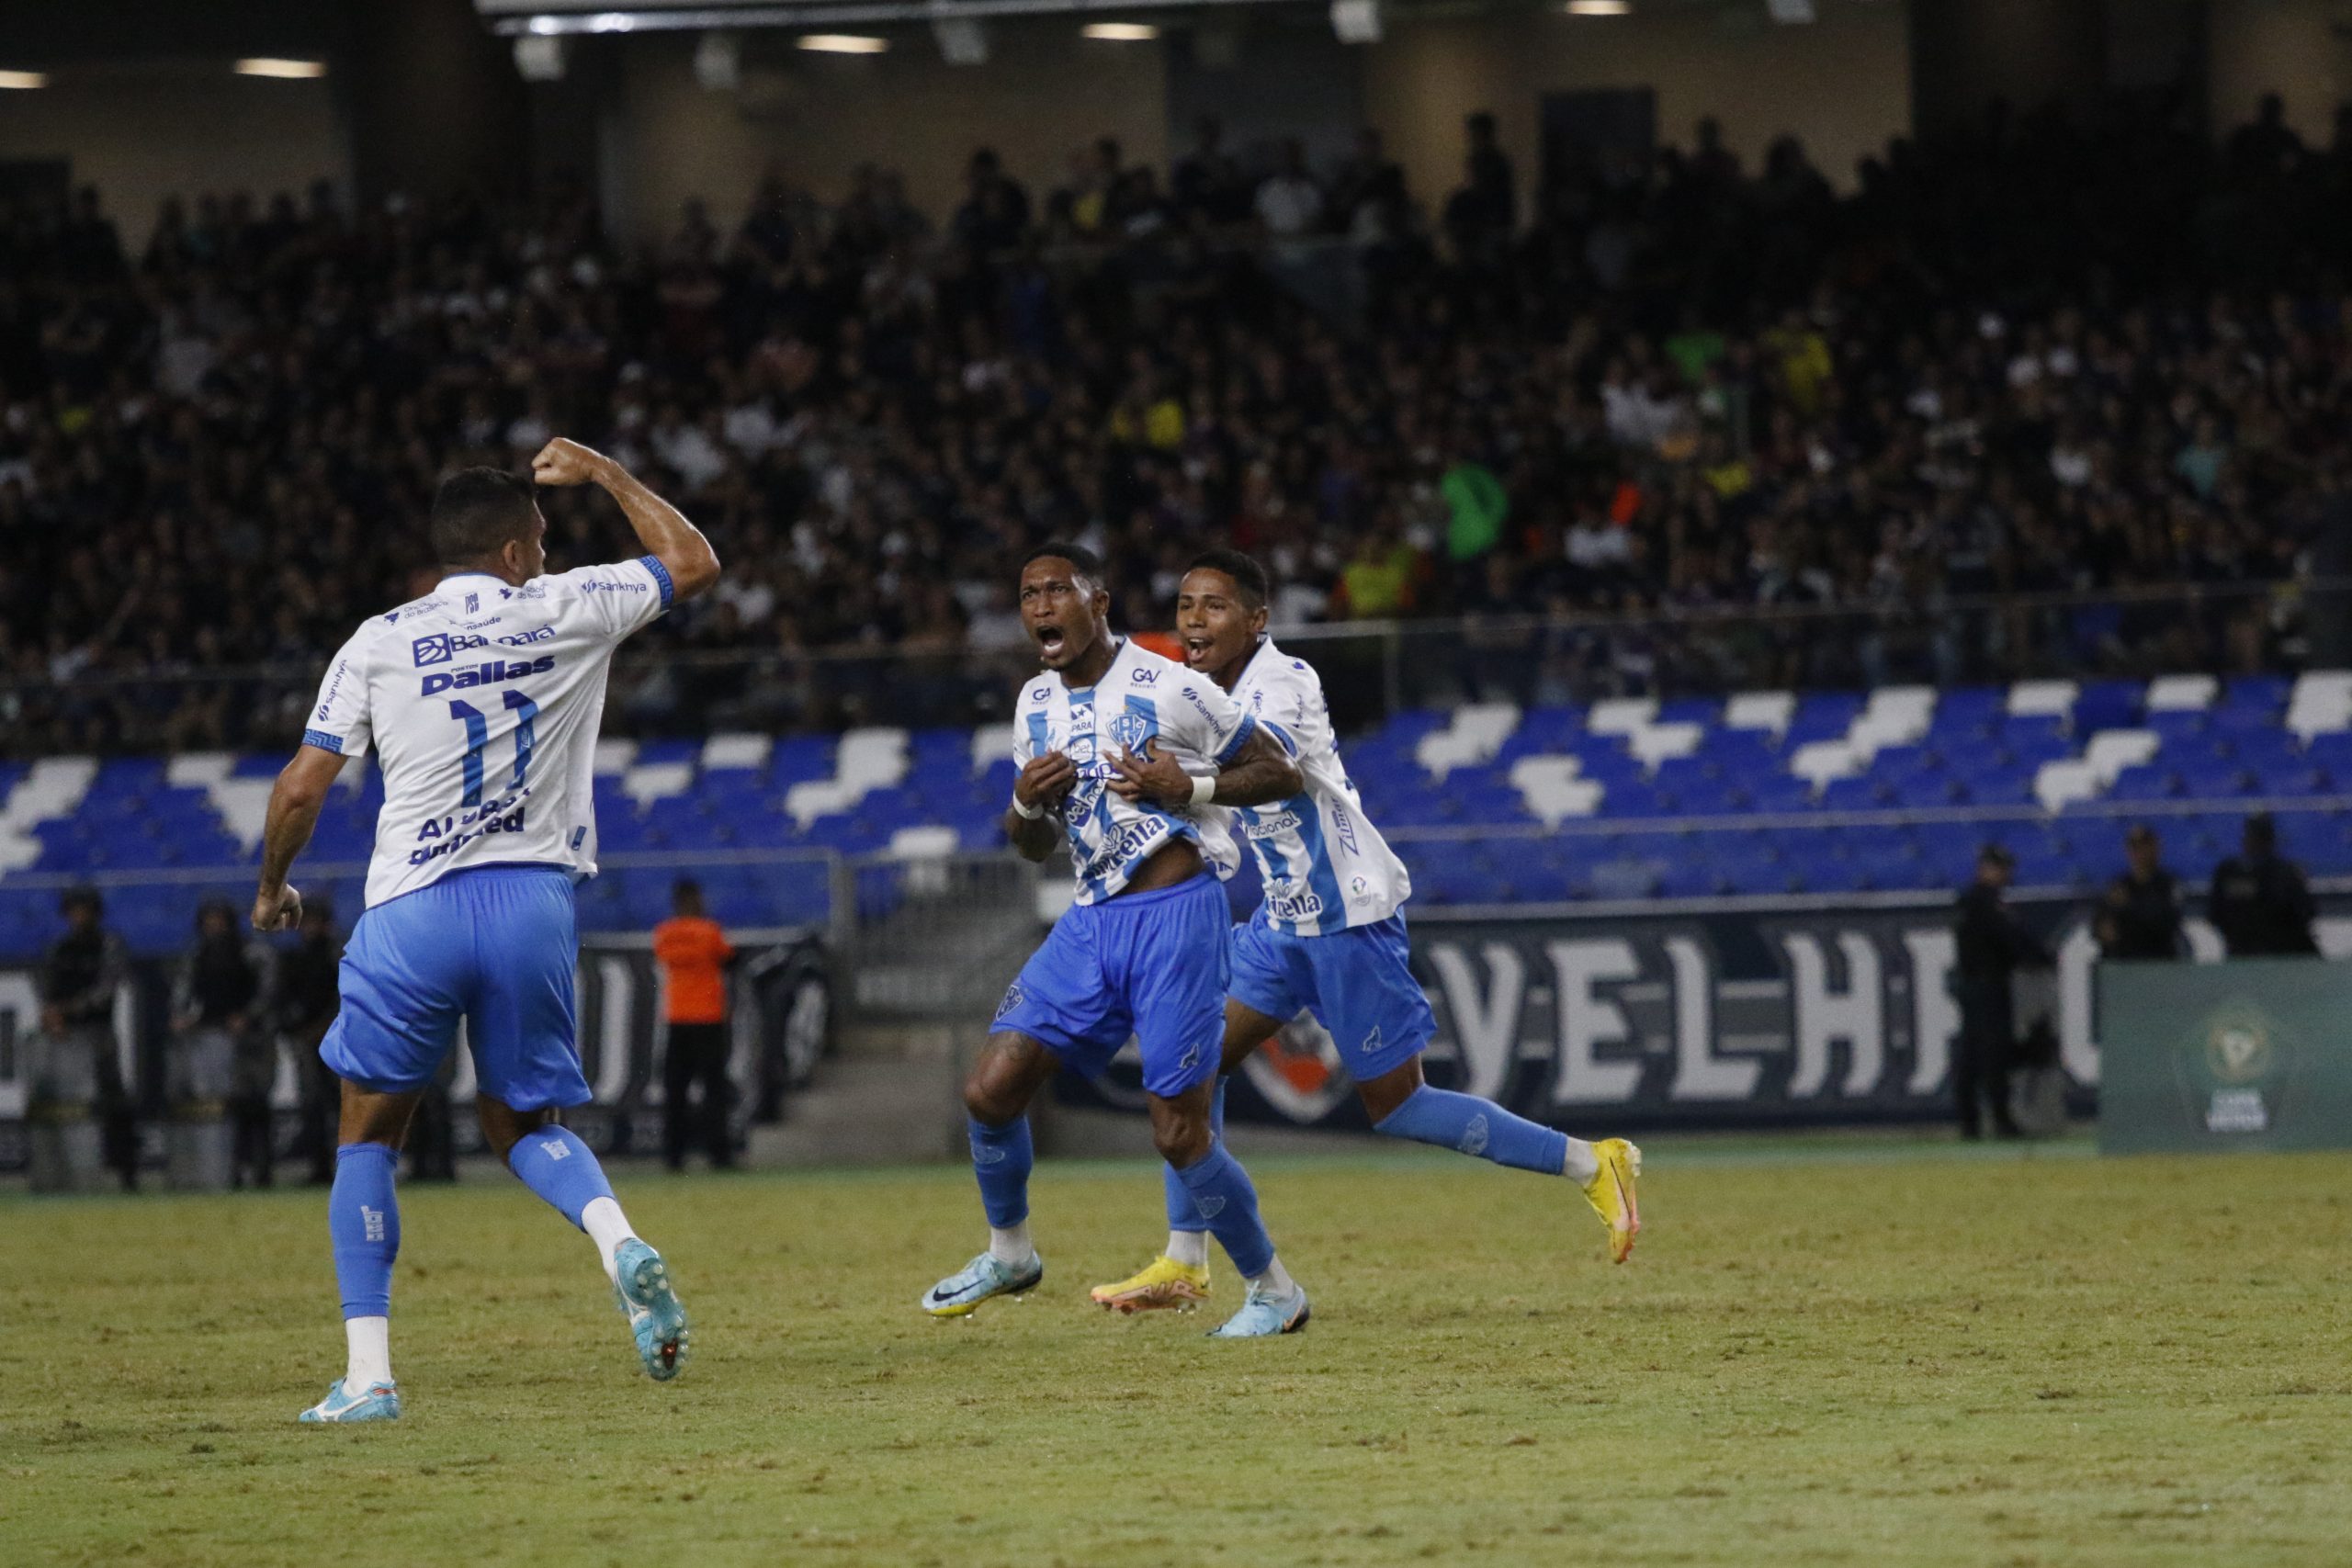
(1262, 1316)
(377, 1401)
(655, 1318)
(981, 1278)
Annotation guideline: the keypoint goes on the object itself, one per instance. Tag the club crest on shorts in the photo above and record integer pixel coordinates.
(1012, 1000)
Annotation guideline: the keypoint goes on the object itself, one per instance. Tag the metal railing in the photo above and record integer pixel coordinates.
(1371, 668)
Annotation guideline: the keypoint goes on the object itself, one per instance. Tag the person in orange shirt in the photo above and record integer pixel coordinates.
(695, 955)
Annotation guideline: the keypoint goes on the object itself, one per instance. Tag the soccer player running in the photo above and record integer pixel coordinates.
(482, 701)
(1104, 738)
(1329, 938)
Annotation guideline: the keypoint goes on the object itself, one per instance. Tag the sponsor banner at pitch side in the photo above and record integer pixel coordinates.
(782, 1019)
(1698, 1017)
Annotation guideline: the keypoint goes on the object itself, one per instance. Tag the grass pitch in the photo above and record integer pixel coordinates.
(1837, 1351)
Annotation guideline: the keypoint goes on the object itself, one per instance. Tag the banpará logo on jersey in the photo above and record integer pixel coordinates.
(442, 646)
(488, 675)
(523, 639)
(1130, 731)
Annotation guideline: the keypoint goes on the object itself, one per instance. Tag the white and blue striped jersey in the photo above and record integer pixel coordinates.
(1141, 696)
(1325, 867)
(483, 702)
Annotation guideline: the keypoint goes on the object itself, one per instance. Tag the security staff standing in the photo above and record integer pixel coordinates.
(1993, 946)
(2140, 918)
(695, 955)
(309, 994)
(2260, 903)
(79, 979)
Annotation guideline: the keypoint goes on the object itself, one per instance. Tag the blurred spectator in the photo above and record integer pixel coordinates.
(222, 1050)
(308, 996)
(2140, 917)
(1207, 181)
(695, 955)
(2040, 357)
(1289, 202)
(85, 971)
(2260, 902)
(1993, 946)
(1482, 215)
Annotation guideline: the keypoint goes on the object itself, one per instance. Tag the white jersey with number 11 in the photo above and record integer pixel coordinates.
(483, 702)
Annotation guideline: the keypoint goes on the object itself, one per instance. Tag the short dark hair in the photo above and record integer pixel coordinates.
(477, 511)
(1089, 564)
(685, 888)
(82, 896)
(1246, 574)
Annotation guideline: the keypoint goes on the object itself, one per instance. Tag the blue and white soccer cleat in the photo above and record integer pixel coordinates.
(1264, 1315)
(377, 1401)
(983, 1277)
(651, 1307)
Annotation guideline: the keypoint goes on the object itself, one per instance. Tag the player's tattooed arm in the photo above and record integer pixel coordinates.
(661, 528)
(1045, 782)
(1263, 772)
(294, 804)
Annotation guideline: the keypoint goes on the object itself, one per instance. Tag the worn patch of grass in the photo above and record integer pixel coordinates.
(1869, 1353)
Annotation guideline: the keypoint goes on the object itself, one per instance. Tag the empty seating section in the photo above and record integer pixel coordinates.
(1765, 793)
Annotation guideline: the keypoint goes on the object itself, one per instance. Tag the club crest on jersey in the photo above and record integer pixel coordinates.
(1131, 730)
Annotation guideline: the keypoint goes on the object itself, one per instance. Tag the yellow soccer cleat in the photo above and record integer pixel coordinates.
(1162, 1282)
(1611, 1193)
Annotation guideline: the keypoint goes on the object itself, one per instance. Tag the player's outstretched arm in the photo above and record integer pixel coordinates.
(1263, 772)
(661, 528)
(294, 804)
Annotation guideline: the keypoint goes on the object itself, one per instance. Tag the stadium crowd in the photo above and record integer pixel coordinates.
(2043, 358)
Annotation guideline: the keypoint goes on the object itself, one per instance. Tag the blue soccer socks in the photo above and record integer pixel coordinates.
(1001, 1159)
(1227, 1203)
(1183, 1215)
(364, 1227)
(1473, 1126)
(554, 1163)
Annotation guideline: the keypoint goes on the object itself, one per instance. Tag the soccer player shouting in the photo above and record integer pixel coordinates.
(1102, 738)
(482, 701)
(1330, 937)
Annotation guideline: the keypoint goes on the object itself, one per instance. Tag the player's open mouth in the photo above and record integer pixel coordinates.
(1049, 639)
(1197, 649)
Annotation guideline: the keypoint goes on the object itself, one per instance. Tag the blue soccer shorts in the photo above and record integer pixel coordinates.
(1153, 966)
(496, 947)
(1358, 983)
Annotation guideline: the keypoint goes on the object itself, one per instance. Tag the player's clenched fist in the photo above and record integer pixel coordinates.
(1045, 781)
(280, 910)
(562, 462)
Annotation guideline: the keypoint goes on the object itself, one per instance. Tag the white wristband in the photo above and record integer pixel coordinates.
(1203, 787)
(1027, 813)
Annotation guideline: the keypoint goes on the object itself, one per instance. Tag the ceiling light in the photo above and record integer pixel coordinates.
(288, 70)
(1121, 32)
(611, 22)
(23, 79)
(843, 43)
(1599, 8)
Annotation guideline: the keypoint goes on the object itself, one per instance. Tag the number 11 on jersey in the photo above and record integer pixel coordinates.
(477, 740)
